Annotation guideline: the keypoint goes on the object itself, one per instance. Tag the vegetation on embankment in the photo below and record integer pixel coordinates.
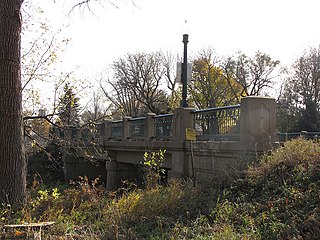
(277, 198)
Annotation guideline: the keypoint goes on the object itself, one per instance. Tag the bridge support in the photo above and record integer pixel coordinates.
(75, 166)
(118, 172)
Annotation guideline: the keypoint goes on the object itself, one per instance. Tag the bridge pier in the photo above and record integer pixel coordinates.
(75, 166)
(118, 172)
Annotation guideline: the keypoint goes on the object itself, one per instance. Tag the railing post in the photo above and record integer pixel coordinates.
(149, 132)
(106, 133)
(126, 128)
(258, 122)
(182, 119)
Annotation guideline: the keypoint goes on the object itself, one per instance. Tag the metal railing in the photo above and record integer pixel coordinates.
(282, 137)
(97, 132)
(221, 123)
(163, 126)
(137, 128)
(117, 130)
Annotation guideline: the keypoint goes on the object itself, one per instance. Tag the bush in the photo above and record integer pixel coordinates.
(277, 198)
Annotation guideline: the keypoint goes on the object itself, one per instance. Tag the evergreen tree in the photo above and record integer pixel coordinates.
(69, 107)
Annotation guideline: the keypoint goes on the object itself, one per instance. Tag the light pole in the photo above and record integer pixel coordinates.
(184, 73)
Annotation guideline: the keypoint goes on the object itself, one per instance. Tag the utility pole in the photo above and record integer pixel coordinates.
(184, 73)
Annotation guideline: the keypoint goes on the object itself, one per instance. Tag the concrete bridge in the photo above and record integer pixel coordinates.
(227, 139)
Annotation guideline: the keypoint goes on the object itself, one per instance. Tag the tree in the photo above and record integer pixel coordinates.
(37, 133)
(12, 160)
(39, 56)
(95, 110)
(255, 75)
(301, 95)
(68, 107)
(137, 84)
(209, 86)
(175, 90)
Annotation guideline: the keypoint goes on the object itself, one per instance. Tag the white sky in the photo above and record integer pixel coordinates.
(281, 28)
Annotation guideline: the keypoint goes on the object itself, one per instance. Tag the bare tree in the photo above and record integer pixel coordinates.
(95, 109)
(254, 74)
(123, 99)
(138, 84)
(173, 87)
(39, 54)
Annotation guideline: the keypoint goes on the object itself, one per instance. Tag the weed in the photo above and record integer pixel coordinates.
(277, 198)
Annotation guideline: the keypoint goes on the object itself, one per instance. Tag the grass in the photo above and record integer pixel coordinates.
(277, 198)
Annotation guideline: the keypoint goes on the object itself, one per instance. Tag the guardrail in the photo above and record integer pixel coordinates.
(213, 124)
(163, 126)
(282, 137)
(221, 123)
(116, 130)
(137, 128)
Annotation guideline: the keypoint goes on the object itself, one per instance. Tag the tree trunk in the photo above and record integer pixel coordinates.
(12, 159)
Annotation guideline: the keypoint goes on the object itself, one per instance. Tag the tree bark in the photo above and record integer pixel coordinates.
(12, 159)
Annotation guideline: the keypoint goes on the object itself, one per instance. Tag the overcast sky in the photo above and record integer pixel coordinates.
(281, 28)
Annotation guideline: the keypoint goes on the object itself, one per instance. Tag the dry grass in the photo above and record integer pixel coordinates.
(277, 198)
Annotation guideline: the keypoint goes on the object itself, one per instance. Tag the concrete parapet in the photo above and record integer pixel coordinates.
(258, 122)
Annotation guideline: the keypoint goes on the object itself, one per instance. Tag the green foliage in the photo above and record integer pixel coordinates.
(152, 163)
(154, 160)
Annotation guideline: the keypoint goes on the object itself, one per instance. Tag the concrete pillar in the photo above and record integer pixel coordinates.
(149, 132)
(112, 180)
(117, 172)
(126, 128)
(106, 130)
(182, 119)
(258, 122)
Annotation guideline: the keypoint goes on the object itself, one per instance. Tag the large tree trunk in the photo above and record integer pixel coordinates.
(12, 160)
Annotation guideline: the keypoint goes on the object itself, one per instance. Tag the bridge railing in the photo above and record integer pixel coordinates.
(163, 126)
(137, 128)
(282, 137)
(89, 134)
(221, 123)
(116, 130)
(252, 121)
